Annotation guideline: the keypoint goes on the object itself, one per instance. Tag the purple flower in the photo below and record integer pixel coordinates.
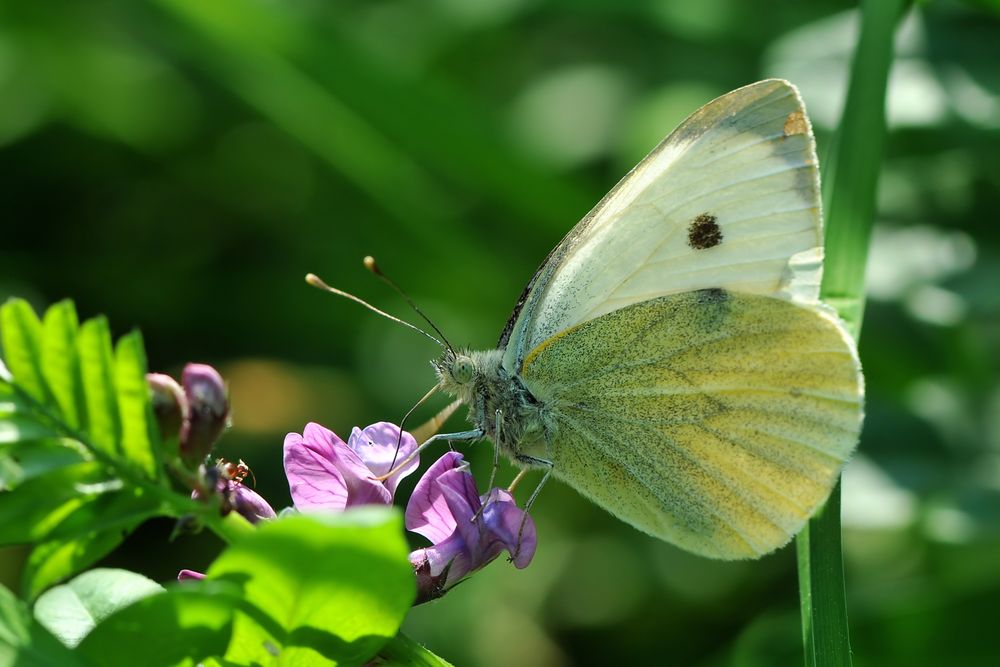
(325, 473)
(442, 508)
(189, 575)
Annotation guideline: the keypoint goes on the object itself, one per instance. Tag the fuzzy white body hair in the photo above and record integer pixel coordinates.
(525, 425)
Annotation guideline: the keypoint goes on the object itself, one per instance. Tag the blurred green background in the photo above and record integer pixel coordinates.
(180, 165)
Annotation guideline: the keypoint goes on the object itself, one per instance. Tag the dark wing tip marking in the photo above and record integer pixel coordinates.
(704, 232)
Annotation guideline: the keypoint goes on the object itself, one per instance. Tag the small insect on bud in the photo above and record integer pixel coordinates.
(170, 408)
(208, 412)
(224, 482)
(236, 472)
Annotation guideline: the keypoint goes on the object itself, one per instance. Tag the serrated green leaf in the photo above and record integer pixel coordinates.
(25, 459)
(32, 511)
(106, 509)
(53, 561)
(60, 366)
(19, 427)
(11, 403)
(97, 371)
(319, 589)
(21, 334)
(72, 610)
(140, 438)
(24, 643)
(180, 627)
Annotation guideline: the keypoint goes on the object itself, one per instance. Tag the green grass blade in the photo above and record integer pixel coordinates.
(851, 178)
(853, 161)
(97, 369)
(140, 439)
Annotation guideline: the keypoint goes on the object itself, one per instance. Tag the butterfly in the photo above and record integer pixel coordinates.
(670, 359)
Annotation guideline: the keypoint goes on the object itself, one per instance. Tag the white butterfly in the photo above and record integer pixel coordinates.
(671, 359)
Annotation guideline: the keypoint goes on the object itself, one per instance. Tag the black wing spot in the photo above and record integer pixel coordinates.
(704, 232)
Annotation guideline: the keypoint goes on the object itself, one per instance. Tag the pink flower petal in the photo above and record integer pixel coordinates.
(313, 478)
(376, 447)
(503, 519)
(325, 474)
(427, 512)
(249, 503)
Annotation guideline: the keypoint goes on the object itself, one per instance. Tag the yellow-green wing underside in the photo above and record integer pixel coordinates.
(715, 420)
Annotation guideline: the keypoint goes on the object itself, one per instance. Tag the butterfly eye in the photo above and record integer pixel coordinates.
(463, 370)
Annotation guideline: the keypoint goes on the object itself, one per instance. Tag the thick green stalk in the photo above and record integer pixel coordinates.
(851, 168)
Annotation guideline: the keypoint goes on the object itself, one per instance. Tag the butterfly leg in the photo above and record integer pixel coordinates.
(496, 466)
(532, 461)
(496, 451)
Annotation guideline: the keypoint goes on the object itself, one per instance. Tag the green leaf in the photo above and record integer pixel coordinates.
(16, 427)
(26, 459)
(24, 643)
(72, 610)
(140, 438)
(53, 561)
(319, 589)
(401, 651)
(36, 507)
(182, 626)
(109, 506)
(60, 365)
(10, 401)
(21, 334)
(73, 500)
(96, 365)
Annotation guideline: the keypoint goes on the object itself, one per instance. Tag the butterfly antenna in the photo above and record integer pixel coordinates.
(318, 283)
(374, 268)
(402, 423)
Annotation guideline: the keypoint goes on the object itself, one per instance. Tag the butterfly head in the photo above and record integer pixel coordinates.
(468, 373)
(456, 371)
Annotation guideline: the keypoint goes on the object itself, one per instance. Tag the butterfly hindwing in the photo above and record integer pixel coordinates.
(715, 420)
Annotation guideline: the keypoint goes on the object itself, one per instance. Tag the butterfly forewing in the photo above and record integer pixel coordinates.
(729, 200)
(715, 420)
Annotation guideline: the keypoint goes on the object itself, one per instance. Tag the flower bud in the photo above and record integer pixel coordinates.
(170, 409)
(208, 412)
(250, 504)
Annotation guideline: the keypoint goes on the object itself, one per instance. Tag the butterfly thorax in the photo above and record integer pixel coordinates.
(480, 381)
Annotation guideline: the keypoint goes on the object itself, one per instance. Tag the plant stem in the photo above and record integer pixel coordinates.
(852, 167)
